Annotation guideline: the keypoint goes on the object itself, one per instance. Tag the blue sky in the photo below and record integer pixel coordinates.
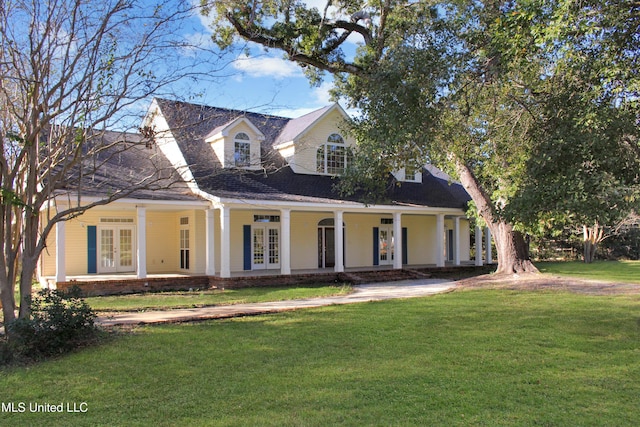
(262, 82)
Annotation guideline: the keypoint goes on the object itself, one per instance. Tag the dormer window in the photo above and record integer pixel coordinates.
(410, 174)
(242, 150)
(333, 156)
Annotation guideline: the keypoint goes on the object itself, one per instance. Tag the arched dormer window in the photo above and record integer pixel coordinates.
(242, 150)
(333, 156)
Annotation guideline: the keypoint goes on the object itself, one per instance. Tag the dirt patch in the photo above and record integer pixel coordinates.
(536, 282)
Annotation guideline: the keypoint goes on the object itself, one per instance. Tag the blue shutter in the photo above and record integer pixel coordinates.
(92, 249)
(376, 247)
(405, 254)
(246, 239)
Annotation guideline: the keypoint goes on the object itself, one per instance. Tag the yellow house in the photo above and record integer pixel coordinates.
(258, 197)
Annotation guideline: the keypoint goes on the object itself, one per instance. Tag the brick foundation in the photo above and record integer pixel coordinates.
(131, 286)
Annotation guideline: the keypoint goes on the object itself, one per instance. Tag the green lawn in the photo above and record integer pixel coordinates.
(463, 358)
(610, 271)
(171, 300)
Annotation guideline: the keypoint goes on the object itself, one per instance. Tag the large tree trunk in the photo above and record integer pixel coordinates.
(513, 253)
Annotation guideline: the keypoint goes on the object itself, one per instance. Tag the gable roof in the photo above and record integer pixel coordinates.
(296, 127)
(192, 124)
(225, 128)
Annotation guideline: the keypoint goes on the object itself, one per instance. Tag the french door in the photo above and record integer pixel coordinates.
(386, 243)
(116, 248)
(326, 247)
(265, 247)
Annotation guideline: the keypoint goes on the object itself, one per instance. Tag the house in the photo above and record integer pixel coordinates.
(257, 196)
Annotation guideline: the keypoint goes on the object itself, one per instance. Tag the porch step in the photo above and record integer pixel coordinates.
(373, 276)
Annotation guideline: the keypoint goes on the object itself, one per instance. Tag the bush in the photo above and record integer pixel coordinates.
(60, 322)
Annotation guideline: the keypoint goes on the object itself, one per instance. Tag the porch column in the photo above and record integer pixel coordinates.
(141, 229)
(478, 246)
(487, 242)
(61, 238)
(225, 244)
(440, 240)
(285, 255)
(210, 262)
(456, 241)
(339, 241)
(397, 237)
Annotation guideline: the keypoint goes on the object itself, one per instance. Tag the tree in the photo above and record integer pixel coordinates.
(464, 84)
(69, 71)
(583, 173)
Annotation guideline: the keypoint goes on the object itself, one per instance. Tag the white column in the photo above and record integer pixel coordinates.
(456, 241)
(225, 243)
(285, 245)
(339, 242)
(397, 237)
(210, 262)
(478, 246)
(141, 257)
(487, 242)
(440, 240)
(61, 238)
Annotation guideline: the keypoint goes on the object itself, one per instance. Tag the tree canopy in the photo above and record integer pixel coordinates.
(488, 90)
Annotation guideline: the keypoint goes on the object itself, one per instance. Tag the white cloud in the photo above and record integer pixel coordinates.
(266, 66)
(321, 93)
(320, 98)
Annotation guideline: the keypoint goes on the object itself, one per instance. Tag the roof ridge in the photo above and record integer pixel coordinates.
(228, 110)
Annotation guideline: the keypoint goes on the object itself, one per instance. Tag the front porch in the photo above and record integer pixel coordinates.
(131, 246)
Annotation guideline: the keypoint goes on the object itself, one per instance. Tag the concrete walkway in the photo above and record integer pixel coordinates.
(361, 293)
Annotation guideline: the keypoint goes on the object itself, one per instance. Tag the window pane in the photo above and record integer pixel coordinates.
(258, 246)
(184, 248)
(126, 248)
(320, 159)
(107, 258)
(274, 246)
(334, 138)
(335, 159)
(242, 153)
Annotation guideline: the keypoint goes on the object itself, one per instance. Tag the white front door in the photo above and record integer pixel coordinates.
(265, 247)
(116, 248)
(385, 246)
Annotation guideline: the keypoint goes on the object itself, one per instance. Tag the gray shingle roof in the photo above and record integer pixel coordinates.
(192, 123)
(298, 125)
(124, 162)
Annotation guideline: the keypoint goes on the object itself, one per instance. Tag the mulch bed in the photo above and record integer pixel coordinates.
(540, 282)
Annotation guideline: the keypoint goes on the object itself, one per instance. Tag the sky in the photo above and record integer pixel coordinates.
(262, 81)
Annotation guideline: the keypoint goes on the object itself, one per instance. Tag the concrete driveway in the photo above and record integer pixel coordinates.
(361, 293)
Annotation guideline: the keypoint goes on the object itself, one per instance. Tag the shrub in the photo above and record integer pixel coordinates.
(60, 322)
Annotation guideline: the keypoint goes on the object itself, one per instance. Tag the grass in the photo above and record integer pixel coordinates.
(609, 271)
(464, 358)
(172, 300)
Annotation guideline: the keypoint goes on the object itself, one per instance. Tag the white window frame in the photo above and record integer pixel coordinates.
(184, 261)
(242, 150)
(338, 162)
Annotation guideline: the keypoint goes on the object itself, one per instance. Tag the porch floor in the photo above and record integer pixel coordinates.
(235, 274)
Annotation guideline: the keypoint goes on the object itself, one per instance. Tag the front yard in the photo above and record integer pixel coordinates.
(478, 357)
